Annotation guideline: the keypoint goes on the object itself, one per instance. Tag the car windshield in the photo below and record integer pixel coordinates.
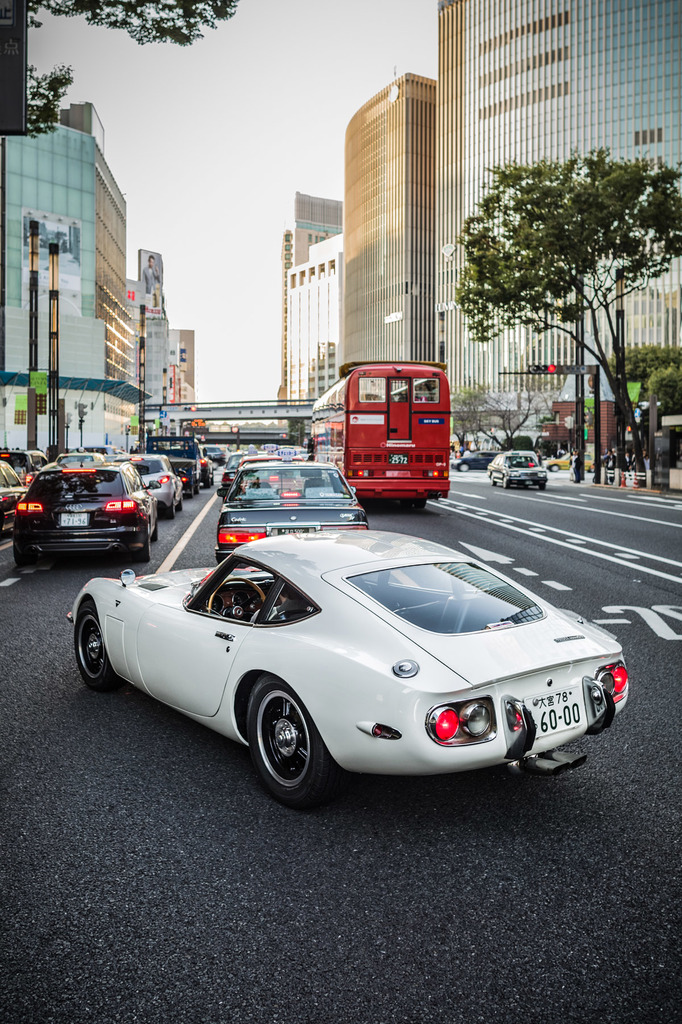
(448, 597)
(17, 460)
(521, 462)
(234, 459)
(74, 485)
(286, 480)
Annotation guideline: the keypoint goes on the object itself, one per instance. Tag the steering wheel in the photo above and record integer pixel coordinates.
(234, 584)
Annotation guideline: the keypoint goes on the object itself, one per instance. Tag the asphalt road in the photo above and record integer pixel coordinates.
(148, 878)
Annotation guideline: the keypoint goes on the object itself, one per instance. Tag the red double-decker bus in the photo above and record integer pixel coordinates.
(387, 427)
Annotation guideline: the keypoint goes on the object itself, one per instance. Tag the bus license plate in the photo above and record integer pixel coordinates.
(554, 712)
(74, 519)
(397, 460)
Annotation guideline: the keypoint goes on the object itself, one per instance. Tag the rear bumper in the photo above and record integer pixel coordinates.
(58, 542)
(373, 489)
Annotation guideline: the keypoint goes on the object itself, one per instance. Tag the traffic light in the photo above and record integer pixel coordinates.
(542, 368)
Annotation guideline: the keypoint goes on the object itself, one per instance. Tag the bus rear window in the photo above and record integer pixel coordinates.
(426, 389)
(372, 389)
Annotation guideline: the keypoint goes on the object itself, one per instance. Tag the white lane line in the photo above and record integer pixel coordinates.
(554, 585)
(657, 502)
(626, 554)
(171, 558)
(570, 547)
(7, 544)
(568, 536)
(525, 572)
(612, 622)
(596, 511)
(8, 583)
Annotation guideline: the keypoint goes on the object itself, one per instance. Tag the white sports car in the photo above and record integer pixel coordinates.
(363, 652)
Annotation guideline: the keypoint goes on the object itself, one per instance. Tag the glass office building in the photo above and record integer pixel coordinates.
(523, 80)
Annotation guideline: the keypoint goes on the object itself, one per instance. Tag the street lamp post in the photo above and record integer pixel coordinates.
(620, 367)
(33, 271)
(53, 366)
(141, 436)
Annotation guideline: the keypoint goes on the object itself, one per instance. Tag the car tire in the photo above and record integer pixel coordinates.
(178, 507)
(91, 654)
(463, 467)
(542, 486)
(493, 481)
(288, 753)
(144, 553)
(23, 557)
(554, 469)
(506, 484)
(190, 493)
(170, 511)
(419, 503)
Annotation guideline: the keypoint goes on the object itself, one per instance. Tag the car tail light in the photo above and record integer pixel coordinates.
(78, 469)
(203, 462)
(164, 479)
(184, 479)
(29, 479)
(615, 679)
(290, 494)
(119, 505)
(27, 508)
(462, 722)
(239, 536)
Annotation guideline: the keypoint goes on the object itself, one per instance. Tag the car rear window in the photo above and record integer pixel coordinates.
(74, 484)
(17, 460)
(297, 481)
(234, 460)
(448, 597)
(149, 466)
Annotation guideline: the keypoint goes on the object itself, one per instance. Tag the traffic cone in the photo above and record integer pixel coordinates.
(635, 481)
(622, 478)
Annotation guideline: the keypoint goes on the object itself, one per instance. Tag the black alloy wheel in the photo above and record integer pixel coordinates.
(91, 654)
(289, 754)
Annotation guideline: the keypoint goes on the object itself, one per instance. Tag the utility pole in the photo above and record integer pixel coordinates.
(53, 372)
(141, 436)
(620, 367)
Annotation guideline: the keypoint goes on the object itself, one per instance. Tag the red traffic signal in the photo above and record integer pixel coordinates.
(542, 368)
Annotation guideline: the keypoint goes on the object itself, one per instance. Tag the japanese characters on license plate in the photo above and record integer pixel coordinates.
(74, 519)
(553, 712)
(276, 530)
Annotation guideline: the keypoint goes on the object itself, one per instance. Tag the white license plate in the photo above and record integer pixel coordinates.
(74, 519)
(277, 530)
(554, 712)
(398, 472)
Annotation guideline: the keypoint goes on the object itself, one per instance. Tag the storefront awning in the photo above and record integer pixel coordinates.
(116, 388)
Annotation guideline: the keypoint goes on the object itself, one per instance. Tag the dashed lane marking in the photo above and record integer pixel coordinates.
(554, 585)
(612, 622)
(8, 583)
(525, 572)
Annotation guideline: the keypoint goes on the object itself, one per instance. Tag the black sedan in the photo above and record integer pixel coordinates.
(79, 509)
(11, 492)
(268, 498)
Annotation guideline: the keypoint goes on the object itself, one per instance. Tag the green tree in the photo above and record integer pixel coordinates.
(163, 21)
(642, 362)
(549, 241)
(666, 384)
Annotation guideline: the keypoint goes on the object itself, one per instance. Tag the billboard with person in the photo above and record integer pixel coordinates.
(150, 272)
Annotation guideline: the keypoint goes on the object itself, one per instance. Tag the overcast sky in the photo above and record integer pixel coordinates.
(210, 143)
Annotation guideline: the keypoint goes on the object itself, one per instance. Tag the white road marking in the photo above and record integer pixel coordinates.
(487, 556)
(569, 539)
(8, 583)
(626, 554)
(171, 558)
(606, 622)
(554, 585)
(7, 544)
(651, 617)
(525, 572)
(597, 511)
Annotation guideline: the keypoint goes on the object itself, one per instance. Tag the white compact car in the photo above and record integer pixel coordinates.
(356, 652)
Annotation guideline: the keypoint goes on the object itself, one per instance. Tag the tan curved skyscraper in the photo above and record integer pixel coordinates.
(389, 224)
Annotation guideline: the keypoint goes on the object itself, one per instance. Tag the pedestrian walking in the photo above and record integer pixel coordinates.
(576, 467)
(610, 466)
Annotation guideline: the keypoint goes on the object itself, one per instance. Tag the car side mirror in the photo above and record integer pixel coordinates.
(222, 492)
(153, 485)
